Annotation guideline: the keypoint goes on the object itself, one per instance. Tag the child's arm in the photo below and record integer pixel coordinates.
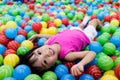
(40, 35)
(85, 56)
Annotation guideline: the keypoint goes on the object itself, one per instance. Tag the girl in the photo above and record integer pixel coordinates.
(66, 45)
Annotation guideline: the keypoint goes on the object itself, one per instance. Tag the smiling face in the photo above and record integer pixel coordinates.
(44, 57)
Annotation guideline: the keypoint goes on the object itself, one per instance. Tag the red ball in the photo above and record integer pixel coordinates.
(69, 64)
(94, 71)
(49, 22)
(94, 16)
(22, 32)
(114, 58)
(52, 25)
(27, 19)
(37, 26)
(114, 17)
(23, 25)
(117, 71)
(51, 3)
(32, 1)
(31, 6)
(13, 45)
(107, 18)
(9, 51)
(4, 40)
(65, 21)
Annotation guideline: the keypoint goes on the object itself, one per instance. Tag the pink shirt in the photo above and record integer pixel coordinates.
(70, 40)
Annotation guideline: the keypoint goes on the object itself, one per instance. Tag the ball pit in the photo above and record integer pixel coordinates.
(21, 19)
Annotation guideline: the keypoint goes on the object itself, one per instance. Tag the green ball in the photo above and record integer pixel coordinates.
(80, 16)
(113, 28)
(6, 71)
(66, 11)
(1, 60)
(31, 13)
(45, 17)
(58, 62)
(117, 61)
(105, 29)
(102, 39)
(105, 63)
(101, 54)
(117, 53)
(96, 12)
(116, 34)
(74, 7)
(109, 48)
(70, 16)
(22, 50)
(107, 35)
(15, 13)
(49, 75)
(33, 77)
(31, 33)
(30, 22)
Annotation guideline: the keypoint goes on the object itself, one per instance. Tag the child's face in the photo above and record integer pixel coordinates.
(43, 57)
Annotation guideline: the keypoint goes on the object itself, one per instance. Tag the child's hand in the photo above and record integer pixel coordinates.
(33, 37)
(77, 69)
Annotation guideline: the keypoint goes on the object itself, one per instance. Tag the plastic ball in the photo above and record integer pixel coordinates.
(1, 60)
(22, 50)
(108, 77)
(61, 70)
(109, 72)
(115, 40)
(44, 24)
(117, 61)
(45, 17)
(13, 45)
(94, 71)
(28, 28)
(11, 59)
(86, 77)
(36, 26)
(70, 16)
(113, 28)
(105, 29)
(6, 71)
(4, 40)
(49, 75)
(41, 41)
(117, 53)
(28, 44)
(33, 77)
(65, 21)
(44, 31)
(105, 63)
(31, 33)
(2, 49)
(21, 71)
(117, 71)
(80, 16)
(9, 51)
(52, 30)
(102, 39)
(22, 32)
(11, 33)
(58, 22)
(67, 77)
(11, 24)
(96, 47)
(114, 22)
(109, 48)
(9, 78)
(20, 38)
(2, 28)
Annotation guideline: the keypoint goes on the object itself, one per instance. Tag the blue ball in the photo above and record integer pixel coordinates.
(28, 28)
(96, 47)
(20, 38)
(2, 49)
(21, 71)
(86, 77)
(89, 12)
(115, 40)
(9, 78)
(11, 33)
(61, 70)
(42, 41)
(67, 77)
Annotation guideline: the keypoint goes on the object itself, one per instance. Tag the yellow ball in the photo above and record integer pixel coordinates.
(109, 72)
(109, 77)
(44, 31)
(62, 13)
(28, 44)
(2, 28)
(11, 59)
(58, 22)
(38, 5)
(11, 24)
(55, 13)
(114, 22)
(68, 7)
(52, 30)
(44, 24)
